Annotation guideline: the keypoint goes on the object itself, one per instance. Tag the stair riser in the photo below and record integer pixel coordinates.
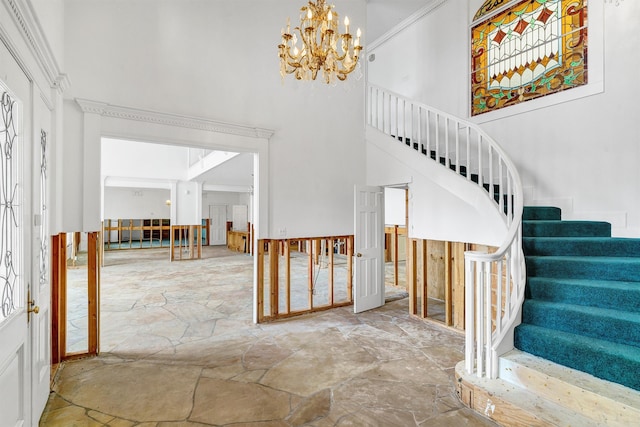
(615, 329)
(565, 229)
(541, 213)
(545, 289)
(622, 269)
(599, 362)
(581, 247)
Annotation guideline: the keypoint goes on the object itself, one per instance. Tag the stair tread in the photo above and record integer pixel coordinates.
(581, 246)
(594, 283)
(588, 310)
(594, 259)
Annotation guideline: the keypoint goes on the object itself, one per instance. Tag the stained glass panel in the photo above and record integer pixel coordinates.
(44, 229)
(532, 49)
(9, 207)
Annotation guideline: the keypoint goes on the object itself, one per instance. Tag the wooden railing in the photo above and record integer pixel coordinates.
(465, 149)
(298, 276)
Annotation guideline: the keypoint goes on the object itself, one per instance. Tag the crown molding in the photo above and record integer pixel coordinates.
(155, 117)
(26, 21)
(425, 10)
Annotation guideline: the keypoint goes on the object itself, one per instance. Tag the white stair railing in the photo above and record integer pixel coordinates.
(494, 282)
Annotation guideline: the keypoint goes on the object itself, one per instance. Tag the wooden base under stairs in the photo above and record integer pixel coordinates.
(536, 392)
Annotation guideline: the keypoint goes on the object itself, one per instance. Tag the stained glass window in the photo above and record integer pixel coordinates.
(10, 209)
(44, 229)
(532, 48)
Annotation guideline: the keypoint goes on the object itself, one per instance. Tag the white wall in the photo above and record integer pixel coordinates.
(131, 159)
(227, 198)
(218, 60)
(579, 155)
(394, 206)
(140, 203)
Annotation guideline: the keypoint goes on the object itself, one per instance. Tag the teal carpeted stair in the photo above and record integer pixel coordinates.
(582, 307)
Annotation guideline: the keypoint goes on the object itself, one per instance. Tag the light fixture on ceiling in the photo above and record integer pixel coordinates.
(323, 50)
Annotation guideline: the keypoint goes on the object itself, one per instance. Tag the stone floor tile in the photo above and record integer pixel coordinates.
(137, 391)
(313, 408)
(222, 402)
(322, 364)
(70, 416)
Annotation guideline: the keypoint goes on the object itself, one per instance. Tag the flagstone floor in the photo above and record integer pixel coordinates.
(179, 349)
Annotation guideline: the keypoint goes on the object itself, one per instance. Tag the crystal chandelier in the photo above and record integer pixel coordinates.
(323, 49)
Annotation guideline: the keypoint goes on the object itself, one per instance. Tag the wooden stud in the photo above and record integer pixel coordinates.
(330, 243)
(406, 224)
(458, 285)
(424, 284)
(287, 266)
(310, 272)
(395, 257)
(411, 277)
(92, 292)
(260, 281)
(448, 268)
(62, 290)
(350, 268)
(274, 276)
(56, 352)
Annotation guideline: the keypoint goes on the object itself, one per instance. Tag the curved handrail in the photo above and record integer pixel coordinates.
(467, 150)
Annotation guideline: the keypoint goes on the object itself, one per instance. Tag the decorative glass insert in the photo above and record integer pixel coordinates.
(44, 229)
(10, 210)
(531, 49)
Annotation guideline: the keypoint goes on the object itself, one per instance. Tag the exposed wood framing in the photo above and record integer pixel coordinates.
(189, 240)
(315, 249)
(93, 285)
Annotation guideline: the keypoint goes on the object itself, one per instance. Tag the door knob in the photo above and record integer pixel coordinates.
(31, 307)
(359, 255)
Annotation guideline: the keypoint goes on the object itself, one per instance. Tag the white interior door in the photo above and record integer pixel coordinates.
(40, 289)
(369, 248)
(15, 389)
(218, 230)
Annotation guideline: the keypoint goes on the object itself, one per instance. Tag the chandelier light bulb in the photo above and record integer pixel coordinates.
(346, 25)
(330, 16)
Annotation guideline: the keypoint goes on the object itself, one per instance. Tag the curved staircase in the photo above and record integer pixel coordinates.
(582, 306)
(575, 326)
